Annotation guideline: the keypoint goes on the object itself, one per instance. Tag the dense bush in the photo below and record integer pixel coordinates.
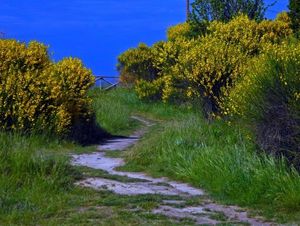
(151, 69)
(187, 67)
(37, 94)
(221, 56)
(137, 63)
(249, 35)
(211, 66)
(175, 85)
(268, 97)
(183, 30)
(149, 90)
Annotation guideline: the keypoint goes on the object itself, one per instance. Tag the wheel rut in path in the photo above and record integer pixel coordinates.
(205, 213)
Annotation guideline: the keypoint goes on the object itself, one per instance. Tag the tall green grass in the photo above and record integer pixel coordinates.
(112, 112)
(33, 177)
(219, 158)
(114, 108)
(36, 181)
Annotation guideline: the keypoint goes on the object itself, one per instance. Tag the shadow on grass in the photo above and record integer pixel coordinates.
(90, 133)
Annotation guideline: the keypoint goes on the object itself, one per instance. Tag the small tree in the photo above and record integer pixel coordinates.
(294, 14)
(207, 10)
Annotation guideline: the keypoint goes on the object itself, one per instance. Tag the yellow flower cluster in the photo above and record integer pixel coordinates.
(37, 94)
(250, 35)
(211, 67)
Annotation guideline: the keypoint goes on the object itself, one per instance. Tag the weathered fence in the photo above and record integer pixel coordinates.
(106, 83)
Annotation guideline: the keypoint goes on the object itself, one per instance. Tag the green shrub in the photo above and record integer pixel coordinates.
(37, 94)
(149, 90)
(294, 13)
(268, 97)
(179, 31)
(137, 63)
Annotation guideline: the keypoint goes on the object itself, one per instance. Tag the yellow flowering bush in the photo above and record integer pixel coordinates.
(69, 81)
(279, 69)
(204, 66)
(250, 35)
(166, 60)
(274, 31)
(147, 67)
(18, 56)
(37, 94)
(170, 85)
(211, 67)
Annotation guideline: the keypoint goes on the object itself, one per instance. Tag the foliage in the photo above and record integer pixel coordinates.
(149, 90)
(209, 10)
(174, 86)
(250, 35)
(189, 149)
(268, 97)
(211, 67)
(161, 58)
(215, 64)
(70, 81)
(33, 180)
(183, 30)
(294, 14)
(37, 94)
(136, 63)
(208, 66)
(188, 67)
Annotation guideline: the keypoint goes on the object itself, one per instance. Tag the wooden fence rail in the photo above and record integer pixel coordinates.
(105, 84)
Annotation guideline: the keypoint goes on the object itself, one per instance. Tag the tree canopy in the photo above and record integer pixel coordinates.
(207, 10)
(294, 14)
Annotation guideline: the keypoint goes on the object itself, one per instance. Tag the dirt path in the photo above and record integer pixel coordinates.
(208, 212)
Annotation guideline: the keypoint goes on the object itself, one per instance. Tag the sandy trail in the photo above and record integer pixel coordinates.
(172, 208)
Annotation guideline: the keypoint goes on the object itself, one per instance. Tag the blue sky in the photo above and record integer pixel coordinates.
(96, 31)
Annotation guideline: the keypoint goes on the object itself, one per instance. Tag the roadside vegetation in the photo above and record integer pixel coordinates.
(224, 96)
(219, 156)
(37, 179)
(46, 114)
(241, 73)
